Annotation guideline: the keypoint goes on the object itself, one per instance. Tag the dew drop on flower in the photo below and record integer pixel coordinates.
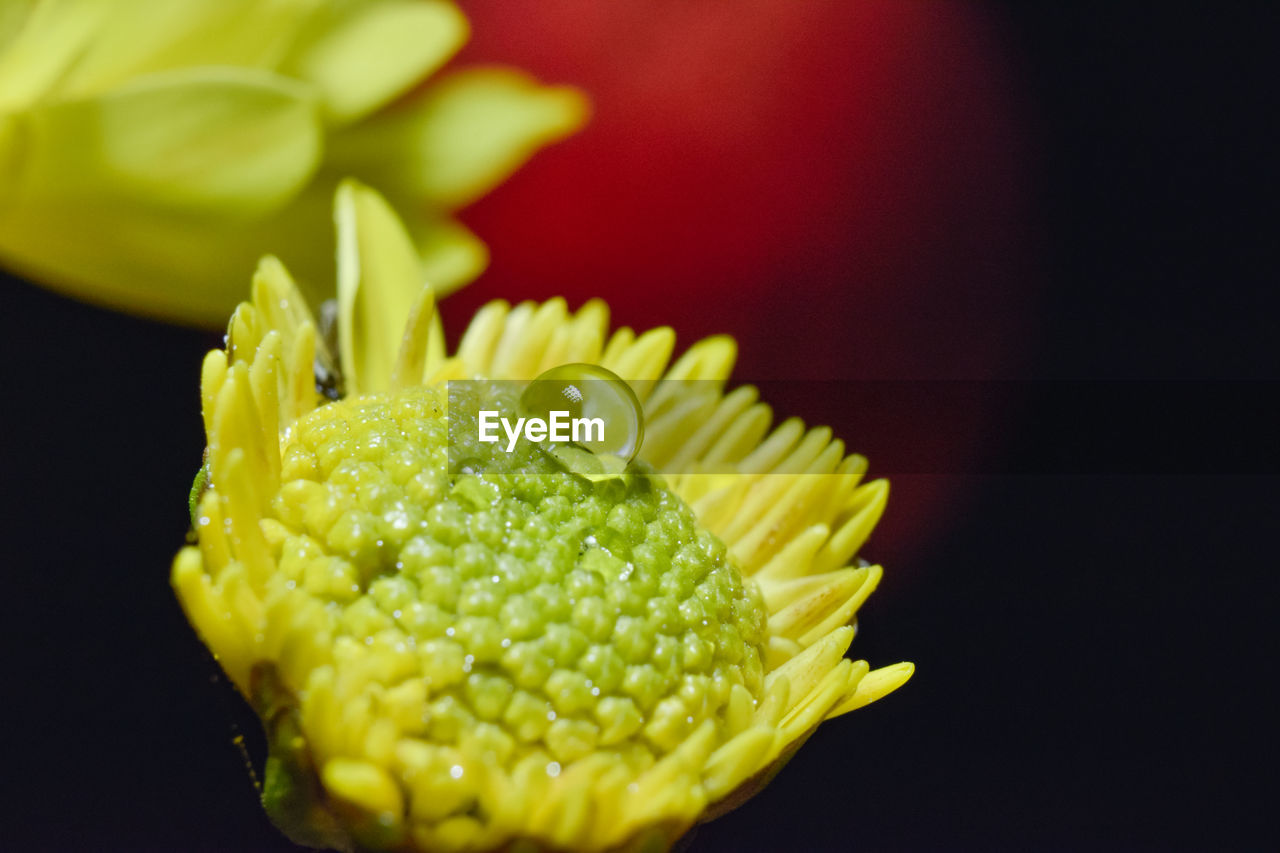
(589, 391)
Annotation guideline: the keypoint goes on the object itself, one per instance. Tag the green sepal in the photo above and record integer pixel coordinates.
(198, 485)
(291, 791)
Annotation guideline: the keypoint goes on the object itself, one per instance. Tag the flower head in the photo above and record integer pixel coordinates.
(511, 653)
(152, 151)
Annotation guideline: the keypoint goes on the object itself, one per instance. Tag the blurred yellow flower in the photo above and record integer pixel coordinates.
(151, 151)
(511, 657)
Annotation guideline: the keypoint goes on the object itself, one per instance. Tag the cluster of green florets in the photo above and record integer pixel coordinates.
(539, 609)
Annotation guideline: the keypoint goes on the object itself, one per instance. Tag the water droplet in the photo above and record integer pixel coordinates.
(456, 771)
(553, 769)
(606, 421)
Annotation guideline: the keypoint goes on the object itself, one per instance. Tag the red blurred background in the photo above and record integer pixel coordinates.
(840, 185)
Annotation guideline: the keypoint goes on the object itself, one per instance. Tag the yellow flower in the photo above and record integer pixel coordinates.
(470, 660)
(152, 151)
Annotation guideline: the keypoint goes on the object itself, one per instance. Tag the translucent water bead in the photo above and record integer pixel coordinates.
(614, 421)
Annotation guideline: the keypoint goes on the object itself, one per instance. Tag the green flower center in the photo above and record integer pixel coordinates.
(541, 610)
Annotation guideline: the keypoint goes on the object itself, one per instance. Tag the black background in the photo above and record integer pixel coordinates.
(1093, 642)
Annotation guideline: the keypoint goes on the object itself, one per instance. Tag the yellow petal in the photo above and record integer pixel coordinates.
(301, 235)
(451, 255)
(411, 358)
(145, 36)
(219, 141)
(132, 265)
(875, 685)
(166, 266)
(39, 44)
(365, 785)
(66, 49)
(457, 140)
(177, 164)
(363, 54)
(379, 278)
(13, 17)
